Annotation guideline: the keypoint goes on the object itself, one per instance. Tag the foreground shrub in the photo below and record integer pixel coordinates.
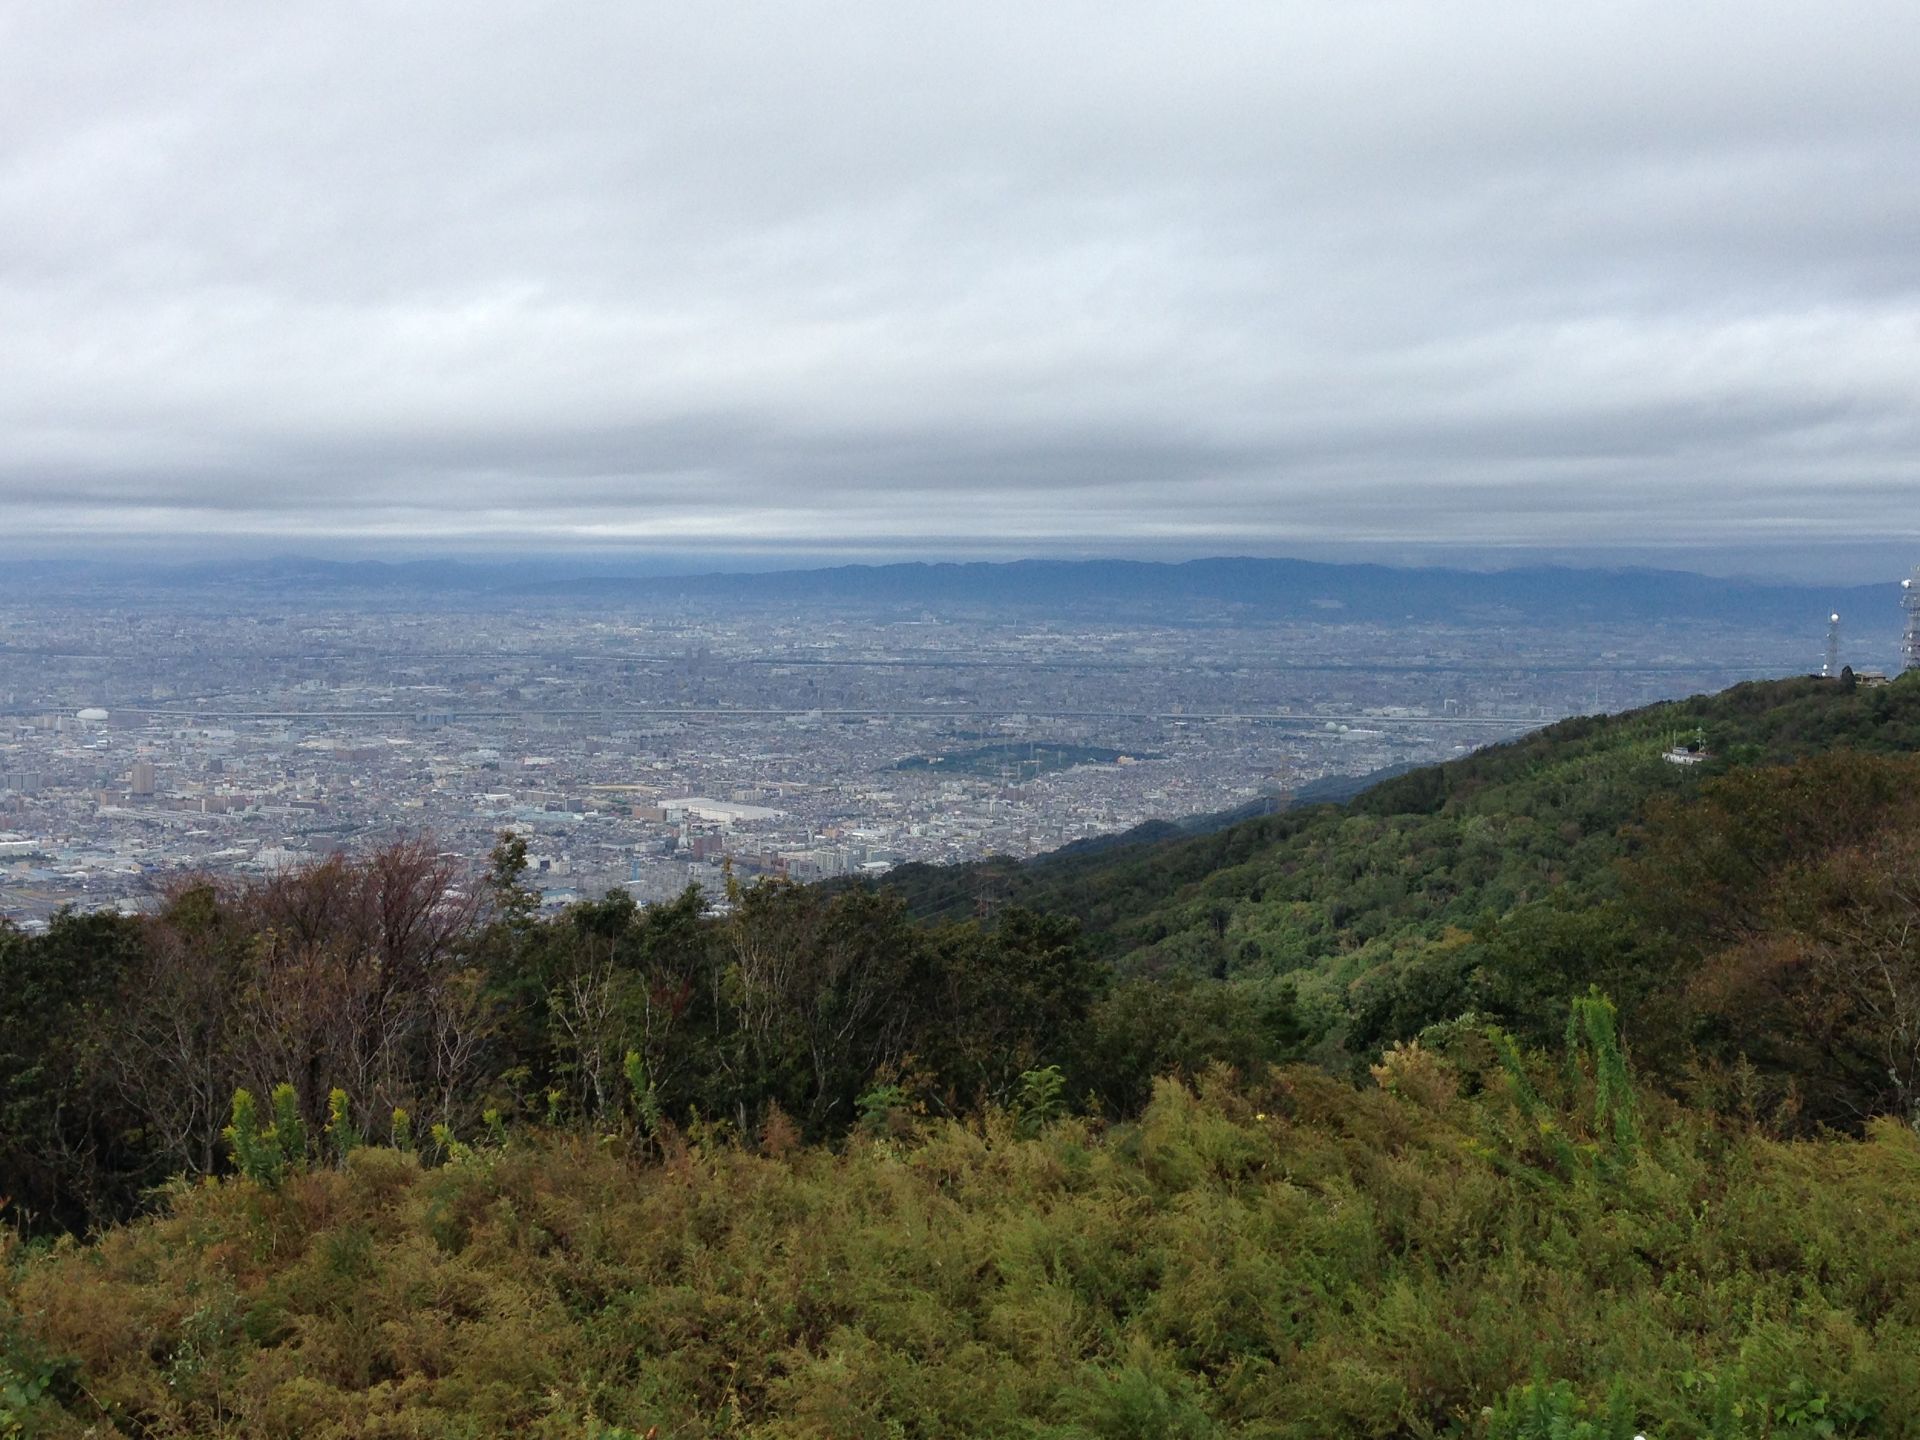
(1286, 1257)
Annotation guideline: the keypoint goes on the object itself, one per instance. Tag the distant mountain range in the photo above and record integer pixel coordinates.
(1252, 588)
(1276, 588)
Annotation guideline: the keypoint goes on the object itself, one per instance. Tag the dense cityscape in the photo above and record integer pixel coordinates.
(650, 746)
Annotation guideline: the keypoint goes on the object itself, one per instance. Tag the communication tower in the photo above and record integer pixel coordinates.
(1832, 666)
(1910, 641)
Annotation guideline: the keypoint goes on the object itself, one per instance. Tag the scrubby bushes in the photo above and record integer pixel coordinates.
(1466, 1250)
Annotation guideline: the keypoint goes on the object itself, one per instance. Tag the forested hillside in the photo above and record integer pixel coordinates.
(1322, 1124)
(1502, 883)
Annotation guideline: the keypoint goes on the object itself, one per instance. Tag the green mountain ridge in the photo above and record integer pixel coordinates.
(1770, 721)
(1462, 887)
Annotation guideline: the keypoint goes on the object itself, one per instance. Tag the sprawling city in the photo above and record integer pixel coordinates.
(649, 745)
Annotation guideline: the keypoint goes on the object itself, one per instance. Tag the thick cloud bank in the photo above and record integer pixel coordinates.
(1205, 276)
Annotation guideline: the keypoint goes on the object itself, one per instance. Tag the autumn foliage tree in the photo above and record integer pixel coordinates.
(1788, 902)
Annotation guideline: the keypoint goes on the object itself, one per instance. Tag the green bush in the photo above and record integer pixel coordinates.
(1540, 1411)
(1275, 1255)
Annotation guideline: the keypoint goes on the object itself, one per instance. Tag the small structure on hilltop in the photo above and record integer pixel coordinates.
(1688, 752)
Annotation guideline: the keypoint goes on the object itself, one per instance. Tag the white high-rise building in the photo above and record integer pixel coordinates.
(1910, 640)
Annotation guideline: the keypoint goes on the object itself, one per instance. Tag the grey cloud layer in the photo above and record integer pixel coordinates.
(1226, 275)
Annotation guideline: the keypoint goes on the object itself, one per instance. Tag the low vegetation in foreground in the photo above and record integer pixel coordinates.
(1471, 1246)
(1323, 1125)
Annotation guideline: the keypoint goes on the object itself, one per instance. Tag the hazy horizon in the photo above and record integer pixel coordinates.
(1837, 565)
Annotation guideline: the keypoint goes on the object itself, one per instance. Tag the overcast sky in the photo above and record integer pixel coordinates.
(963, 278)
